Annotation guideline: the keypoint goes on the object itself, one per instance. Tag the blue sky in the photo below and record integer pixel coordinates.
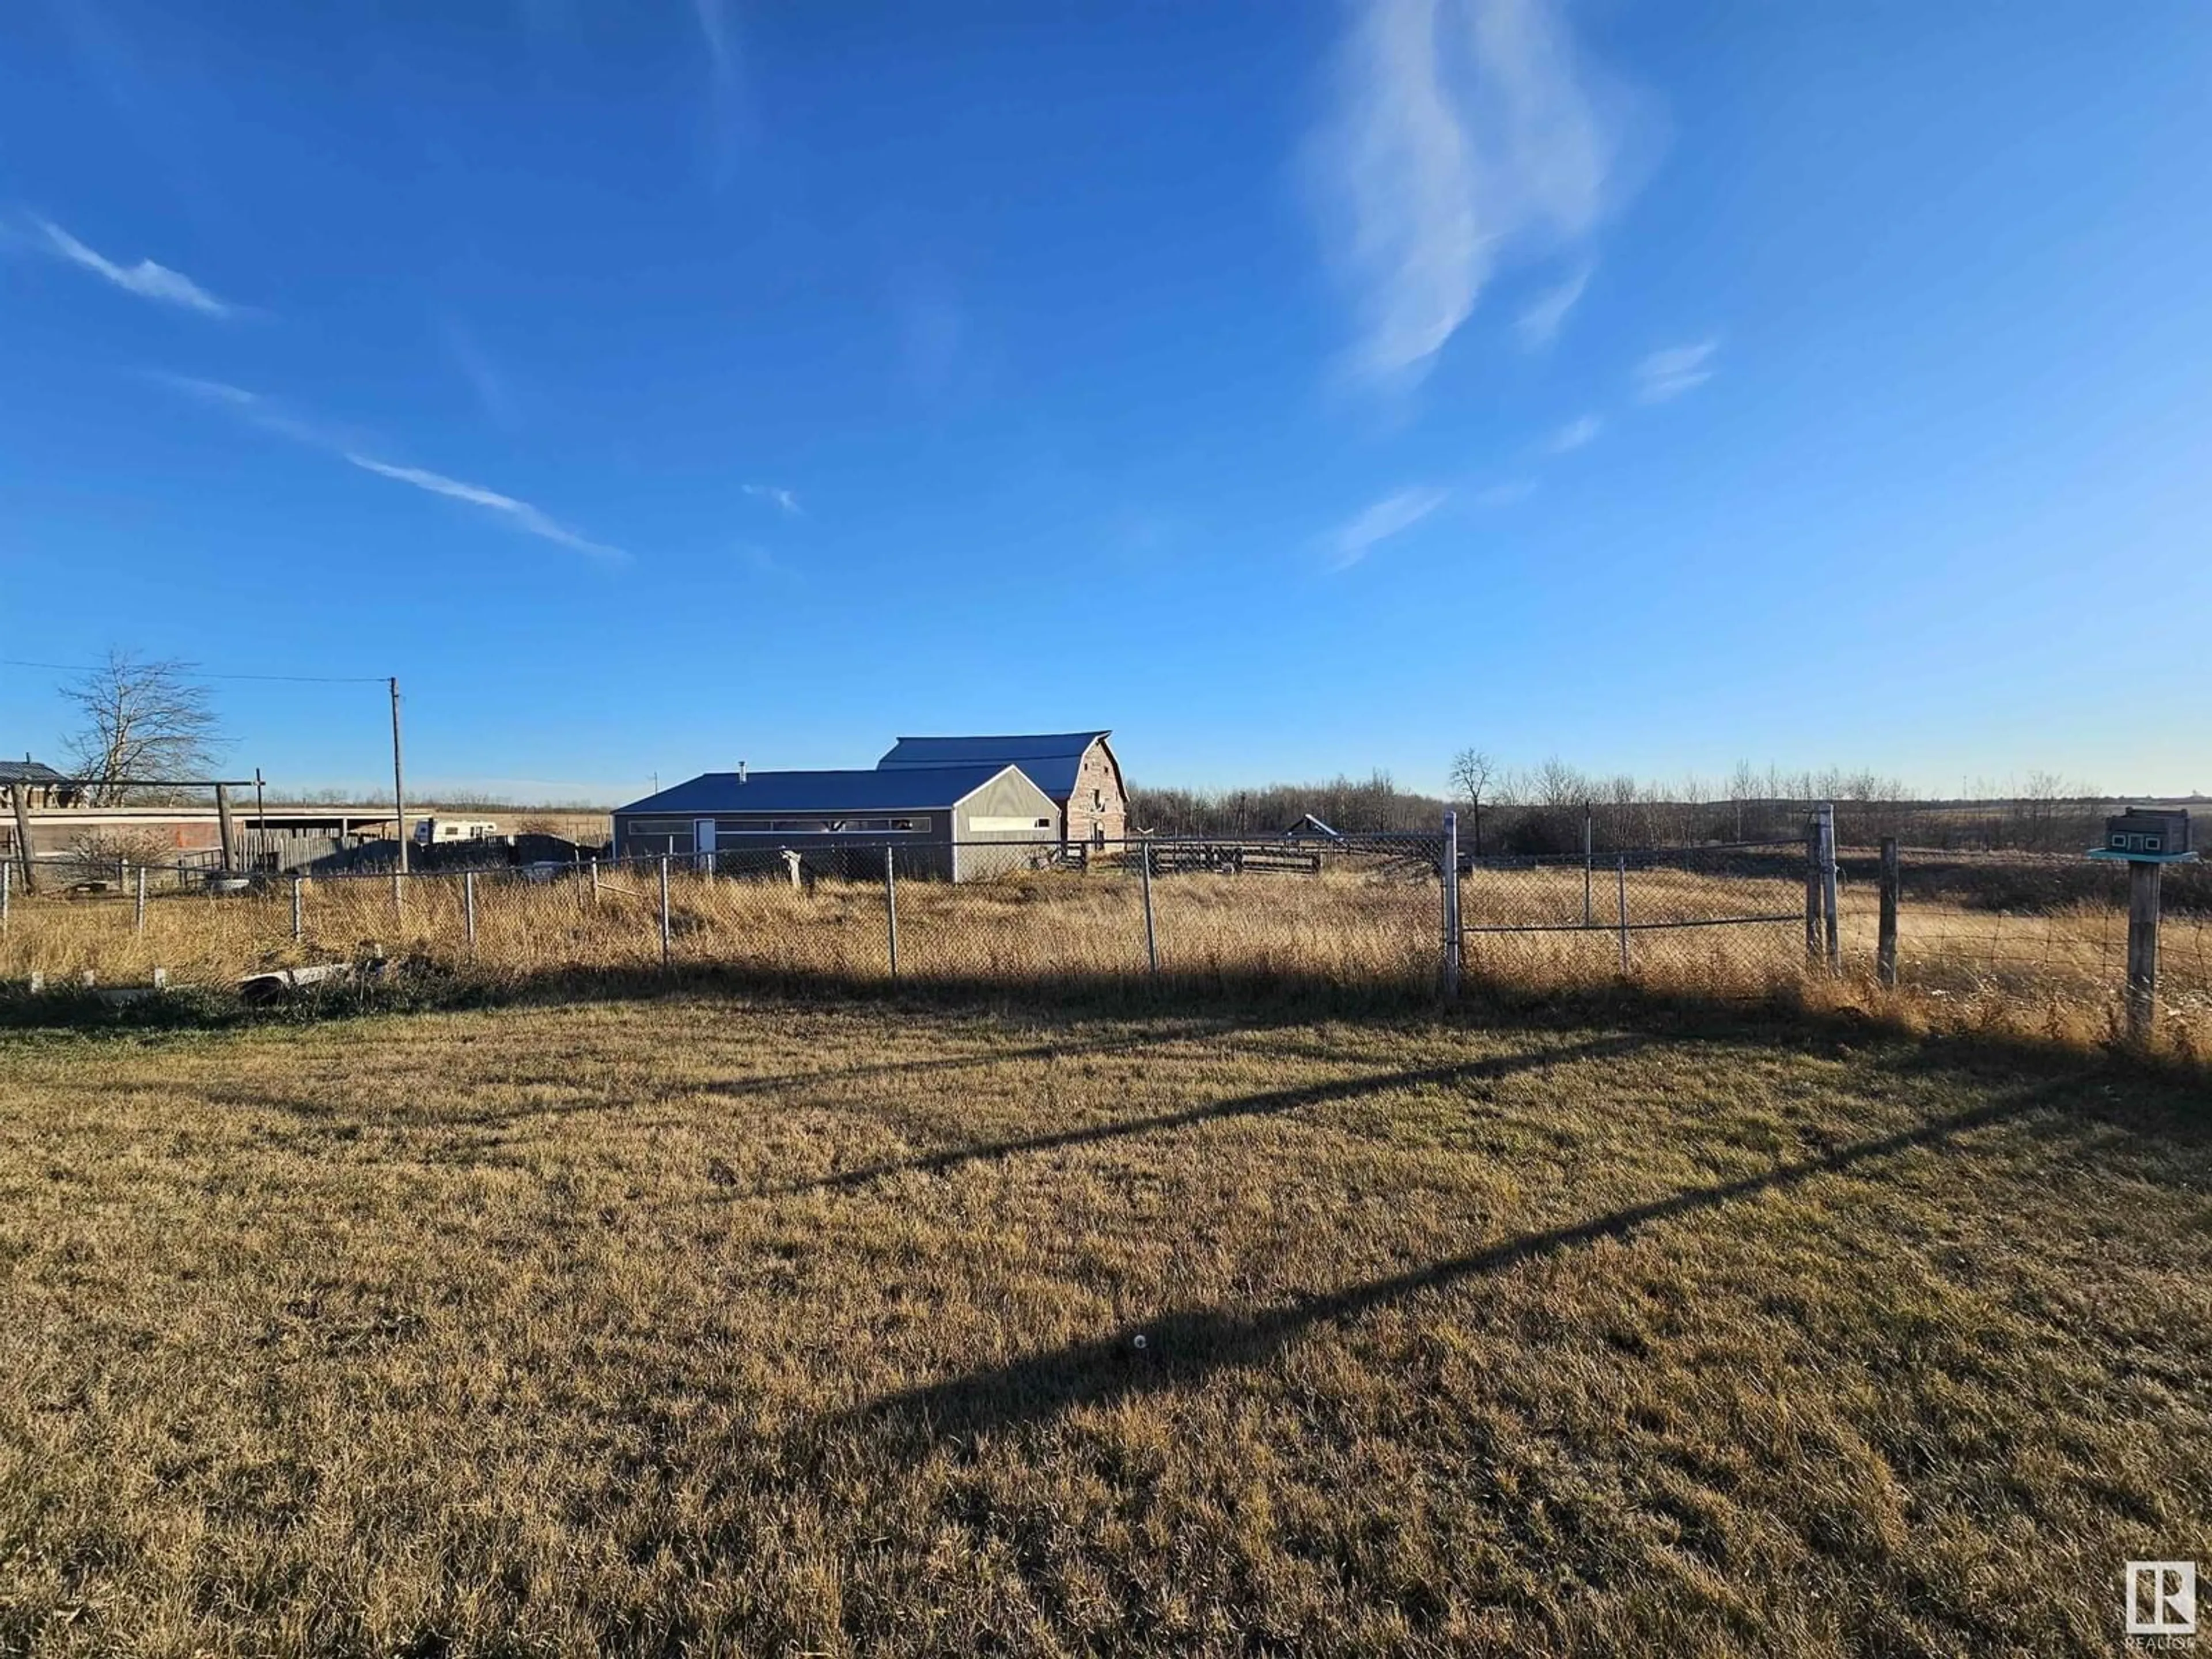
(1291, 388)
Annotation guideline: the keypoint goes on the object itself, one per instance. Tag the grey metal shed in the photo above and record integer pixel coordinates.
(947, 822)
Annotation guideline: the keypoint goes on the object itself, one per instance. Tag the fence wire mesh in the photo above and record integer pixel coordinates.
(1354, 910)
(1707, 914)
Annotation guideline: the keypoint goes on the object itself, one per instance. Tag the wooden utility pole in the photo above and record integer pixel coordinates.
(398, 785)
(226, 832)
(19, 796)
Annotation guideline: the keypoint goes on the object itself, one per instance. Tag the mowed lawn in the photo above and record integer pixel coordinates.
(715, 1326)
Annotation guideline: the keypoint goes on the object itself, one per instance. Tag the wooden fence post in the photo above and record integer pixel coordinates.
(20, 796)
(1620, 880)
(6, 870)
(1885, 950)
(1828, 887)
(2143, 876)
(890, 907)
(138, 912)
(1813, 891)
(1152, 938)
(595, 881)
(297, 916)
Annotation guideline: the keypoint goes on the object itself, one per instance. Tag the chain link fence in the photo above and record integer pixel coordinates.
(1718, 915)
(1347, 911)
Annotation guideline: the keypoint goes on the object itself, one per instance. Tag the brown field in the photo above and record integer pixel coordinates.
(737, 1325)
(2056, 975)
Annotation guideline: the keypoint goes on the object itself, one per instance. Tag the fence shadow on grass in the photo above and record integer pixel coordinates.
(1181, 1348)
(1255, 1105)
(1775, 1011)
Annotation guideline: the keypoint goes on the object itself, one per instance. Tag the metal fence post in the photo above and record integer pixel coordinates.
(1152, 938)
(138, 911)
(399, 904)
(2143, 877)
(7, 872)
(664, 947)
(469, 906)
(1620, 904)
(1828, 887)
(595, 881)
(1885, 949)
(1449, 872)
(297, 917)
(890, 907)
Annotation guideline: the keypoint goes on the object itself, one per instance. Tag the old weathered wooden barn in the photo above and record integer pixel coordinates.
(1077, 770)
(946, 821)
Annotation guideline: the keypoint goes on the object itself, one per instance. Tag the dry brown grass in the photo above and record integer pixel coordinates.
(720, 1326)
(2055, 976)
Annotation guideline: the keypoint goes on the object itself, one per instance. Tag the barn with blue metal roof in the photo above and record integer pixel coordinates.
(1077, 770)
(948, 822)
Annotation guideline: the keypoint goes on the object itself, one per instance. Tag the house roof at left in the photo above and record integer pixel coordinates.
(30, 771)
(903, 789)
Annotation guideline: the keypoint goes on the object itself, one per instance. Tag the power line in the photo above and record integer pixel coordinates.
(289, 679)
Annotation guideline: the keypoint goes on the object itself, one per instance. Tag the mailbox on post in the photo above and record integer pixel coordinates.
(2147, 840)
(2140, 832)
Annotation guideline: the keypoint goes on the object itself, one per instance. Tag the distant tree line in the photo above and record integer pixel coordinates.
(1543, 810)
(1355, 805)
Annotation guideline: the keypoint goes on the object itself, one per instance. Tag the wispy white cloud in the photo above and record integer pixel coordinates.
(776, 496)
(253, 408)
(521, 513)
(1540, 320)
(271, 416)
(1464, 135)
(1388, 517)
(145, 279)
(1574, 436)
(1670, 372)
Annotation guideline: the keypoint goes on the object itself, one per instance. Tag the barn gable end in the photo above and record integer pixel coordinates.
(1077, 769)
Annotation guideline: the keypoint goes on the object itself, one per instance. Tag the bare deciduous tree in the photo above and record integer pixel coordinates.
(144, 718)
(1471, 770)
